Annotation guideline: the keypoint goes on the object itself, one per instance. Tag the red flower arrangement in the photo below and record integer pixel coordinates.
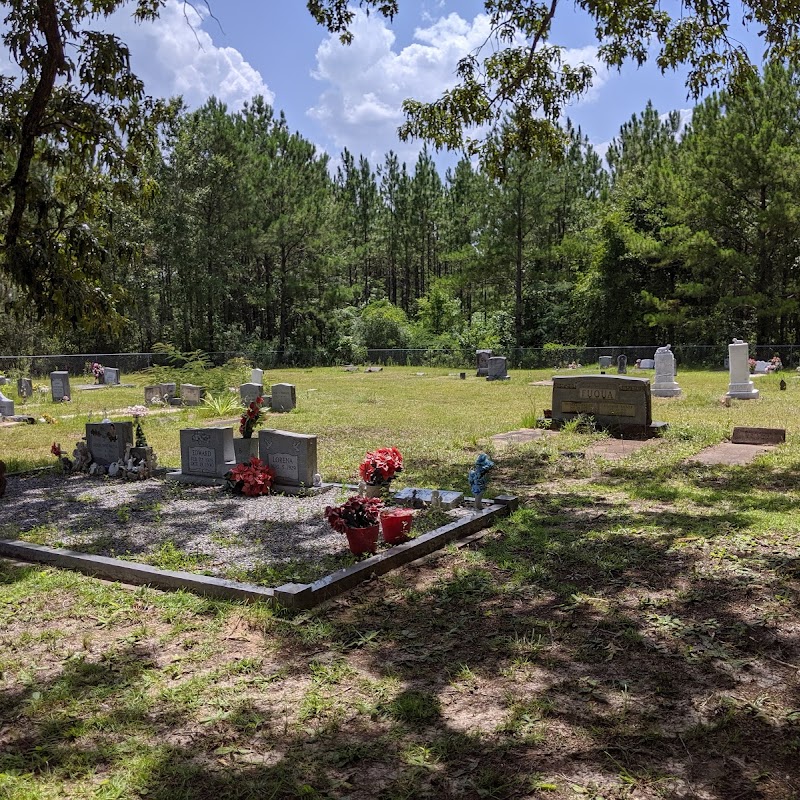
(252, 479)
(357, 512)
(381, 465)
(251, 418)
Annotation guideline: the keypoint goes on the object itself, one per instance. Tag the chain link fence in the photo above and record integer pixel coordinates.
(550, 357)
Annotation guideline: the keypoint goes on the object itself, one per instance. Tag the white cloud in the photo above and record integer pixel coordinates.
(173, 55)
(368, 80)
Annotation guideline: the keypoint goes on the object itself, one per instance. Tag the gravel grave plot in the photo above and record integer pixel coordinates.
(135, 519)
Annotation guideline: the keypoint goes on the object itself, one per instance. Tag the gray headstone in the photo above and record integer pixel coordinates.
(107, 440)
(482, 360)
(605, 361)
(169, 389)
(6, 406)
(622, 364)
(207, 452)
(153, 394)
(24, 387)
(257, 376)
(497, 369)
(3, 380)
(59, 386)
(647, 363)
(250, 391)
(293, 456)
(191, 395)
(613, 401)
(111, 376)
(284, 397)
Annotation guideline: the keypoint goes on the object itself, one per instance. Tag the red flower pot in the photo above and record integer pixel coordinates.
(363, 540)
(396, 525)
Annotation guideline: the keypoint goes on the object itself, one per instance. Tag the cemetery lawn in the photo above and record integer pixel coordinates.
(633, 631)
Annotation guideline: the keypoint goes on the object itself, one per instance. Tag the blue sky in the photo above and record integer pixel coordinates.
(339, 96)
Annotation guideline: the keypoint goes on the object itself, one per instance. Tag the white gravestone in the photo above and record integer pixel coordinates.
(6, 406)
(111, 376)
(665, 385)
(497, 369)
(207, 452)
(647, 363)
(740, 384)
(284, 397)
(293, 456)
(249, 392)
(59, 386)
(760, 368)
(257, 376)
(107, 441)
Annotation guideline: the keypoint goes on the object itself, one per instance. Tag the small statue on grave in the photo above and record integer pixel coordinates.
(81, 456)
(479, 478)
(436, 500)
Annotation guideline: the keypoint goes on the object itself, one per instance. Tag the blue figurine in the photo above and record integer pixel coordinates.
(479, 474)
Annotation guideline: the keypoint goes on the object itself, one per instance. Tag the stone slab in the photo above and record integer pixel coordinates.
(416, 498)
(522, 436)
(758, 436)
(729, 454)
(541, 383)
(616, 449)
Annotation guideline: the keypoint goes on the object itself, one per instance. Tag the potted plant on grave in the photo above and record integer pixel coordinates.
(358, 520)
(379, 468)
(252, 479)
(246, 448)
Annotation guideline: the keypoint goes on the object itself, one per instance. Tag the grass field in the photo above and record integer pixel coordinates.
(632, 632)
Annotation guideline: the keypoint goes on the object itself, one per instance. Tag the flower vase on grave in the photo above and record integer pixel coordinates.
(244, 449)
(376, 490)
(362, 540)
(396, 525)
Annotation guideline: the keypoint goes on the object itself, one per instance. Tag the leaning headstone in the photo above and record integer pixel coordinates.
(622, 365)
(107, 441)
(482, 357)
(111, 376)
(498, 369)
(191, 395)
(605, 361)
(6, 406)
(24, 387)
(740, 384)
(205, 453)
(665, 385)
(257, 376)
(249, 392)
(59, 386)
(284, 397)
(293, 456)
(615, 402)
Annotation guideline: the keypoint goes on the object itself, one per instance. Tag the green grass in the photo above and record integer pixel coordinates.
(629, 633)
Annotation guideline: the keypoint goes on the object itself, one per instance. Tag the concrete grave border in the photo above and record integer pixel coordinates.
(291, 595)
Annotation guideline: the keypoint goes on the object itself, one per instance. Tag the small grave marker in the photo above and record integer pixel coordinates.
(284, 397)
(111, 376)
(191, 394)
(293, 456)
(498, 369)
(758, 435)
(24, 387)
(59, 386)
(482, 358)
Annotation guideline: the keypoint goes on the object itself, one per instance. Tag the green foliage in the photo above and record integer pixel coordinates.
(382, 325)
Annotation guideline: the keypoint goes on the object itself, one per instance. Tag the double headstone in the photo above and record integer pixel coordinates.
(111, 376)
(59, 386)
(665, 385)
(206, 452)
(293, 456)
(284, 396)
(482, 358)
(498, 370)
(740, 384)
(107, 441)
(619, 403)
(24, 387)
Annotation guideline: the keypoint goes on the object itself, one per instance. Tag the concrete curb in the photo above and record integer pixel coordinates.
(291, 595)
